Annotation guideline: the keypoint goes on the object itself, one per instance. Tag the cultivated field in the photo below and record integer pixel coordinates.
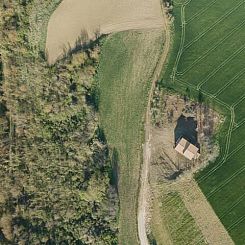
(208, 58)
(85, 19)
(126, 66)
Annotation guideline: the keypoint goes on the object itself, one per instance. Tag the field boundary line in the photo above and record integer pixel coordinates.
(174, 202)
(223, 17)
(224, 183)
(234, 105)
(226, 61)
(232, 226)
(202, 11)
(221, 162)
(202, 212)
(234, 204)
(238, 148)
(205, 54)
(238, 125)
(224, 157)
(237, 76)
(204, 92)
(182, 41)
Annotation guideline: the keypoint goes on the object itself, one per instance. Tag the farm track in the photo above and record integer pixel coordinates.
(223, 17)
(202, 11)
(234, 204)
(237, 76)
(238, 125)
(205, 54)
(144, 184)
(217, 69)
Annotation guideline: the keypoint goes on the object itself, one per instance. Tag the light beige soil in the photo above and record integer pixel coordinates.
(93, 17)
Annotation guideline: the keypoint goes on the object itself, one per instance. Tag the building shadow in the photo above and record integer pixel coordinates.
(186, 128)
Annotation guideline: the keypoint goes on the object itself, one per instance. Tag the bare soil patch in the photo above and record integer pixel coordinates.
(80, 20)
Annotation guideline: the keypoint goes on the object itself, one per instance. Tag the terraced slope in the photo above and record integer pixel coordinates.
(208, 58)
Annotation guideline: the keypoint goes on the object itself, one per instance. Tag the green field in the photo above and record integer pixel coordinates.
(126, 66)
(172, 223)
(208, 56)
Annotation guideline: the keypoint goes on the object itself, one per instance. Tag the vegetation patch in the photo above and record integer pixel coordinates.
(55, 166)
(126, 65)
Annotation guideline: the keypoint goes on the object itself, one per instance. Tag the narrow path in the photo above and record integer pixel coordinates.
(144, 185)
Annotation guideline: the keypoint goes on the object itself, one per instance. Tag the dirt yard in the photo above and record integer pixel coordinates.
(85, 19)
(174, 117)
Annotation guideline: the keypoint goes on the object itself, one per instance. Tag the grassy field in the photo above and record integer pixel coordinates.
(208, 57)
(172, 223)
(126, 65)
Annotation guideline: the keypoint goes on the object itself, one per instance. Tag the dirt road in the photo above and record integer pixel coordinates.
(144, 185)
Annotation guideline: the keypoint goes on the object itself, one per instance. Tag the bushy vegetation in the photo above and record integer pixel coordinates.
(207, 58)
(55, 168)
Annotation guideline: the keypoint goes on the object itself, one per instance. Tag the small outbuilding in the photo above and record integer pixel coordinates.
(187, 149)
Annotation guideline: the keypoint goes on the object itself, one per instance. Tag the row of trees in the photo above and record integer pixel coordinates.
(55, 166)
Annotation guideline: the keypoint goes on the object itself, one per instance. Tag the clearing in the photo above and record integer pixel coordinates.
(126, 67)
(78, 21)
(208, 58)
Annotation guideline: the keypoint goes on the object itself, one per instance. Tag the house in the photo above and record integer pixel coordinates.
(187, 149)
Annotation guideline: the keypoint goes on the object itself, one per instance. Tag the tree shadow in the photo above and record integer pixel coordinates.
(82, 43)
(114, 177)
